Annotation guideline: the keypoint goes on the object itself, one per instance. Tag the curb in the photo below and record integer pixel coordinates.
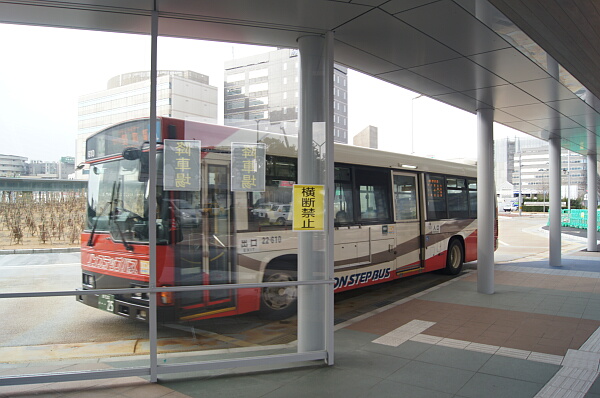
(40, 251)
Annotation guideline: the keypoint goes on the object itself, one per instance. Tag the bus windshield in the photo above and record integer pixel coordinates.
(117, 201)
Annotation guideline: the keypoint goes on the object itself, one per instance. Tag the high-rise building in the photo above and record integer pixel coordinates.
(261, 92)
(527, 160)
(180, 94)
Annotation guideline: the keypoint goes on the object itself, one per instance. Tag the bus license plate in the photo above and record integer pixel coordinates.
(106, 302)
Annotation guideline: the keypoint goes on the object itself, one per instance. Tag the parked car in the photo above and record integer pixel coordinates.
(261, 210)
(188, 215)
(280, 214)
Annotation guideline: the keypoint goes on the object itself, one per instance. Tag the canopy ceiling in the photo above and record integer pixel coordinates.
(462, 52)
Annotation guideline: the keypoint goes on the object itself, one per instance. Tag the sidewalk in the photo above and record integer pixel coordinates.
(537, 336)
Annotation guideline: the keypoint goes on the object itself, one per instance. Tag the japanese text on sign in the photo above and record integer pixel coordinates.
(436, 188)
(181, 165)
(309, 205)
(248, 167)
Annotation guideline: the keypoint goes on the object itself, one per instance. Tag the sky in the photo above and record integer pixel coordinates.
(45, 70)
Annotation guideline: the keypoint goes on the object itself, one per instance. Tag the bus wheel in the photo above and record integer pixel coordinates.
(454, 260)
(279, 302)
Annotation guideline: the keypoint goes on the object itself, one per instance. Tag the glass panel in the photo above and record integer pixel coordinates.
(472, 198)
(458, 206)
(216, 337)
(373, 194)
(436, 197)
(405, 197)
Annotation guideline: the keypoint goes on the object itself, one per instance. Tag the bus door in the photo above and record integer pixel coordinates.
(211, 248)
(408, 223)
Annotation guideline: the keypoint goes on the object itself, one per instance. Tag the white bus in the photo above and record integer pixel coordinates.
(395, 215)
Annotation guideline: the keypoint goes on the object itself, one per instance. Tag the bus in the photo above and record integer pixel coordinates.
(395, 216)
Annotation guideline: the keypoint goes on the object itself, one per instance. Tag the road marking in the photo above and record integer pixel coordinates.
(39, 265)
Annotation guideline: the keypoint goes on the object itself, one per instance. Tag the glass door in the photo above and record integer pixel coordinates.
(203, 251)
(408, 223)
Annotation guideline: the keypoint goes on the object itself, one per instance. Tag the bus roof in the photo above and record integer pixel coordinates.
(213, 135)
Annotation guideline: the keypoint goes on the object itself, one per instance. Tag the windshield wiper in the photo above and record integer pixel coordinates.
(93, 232)
(113, 212)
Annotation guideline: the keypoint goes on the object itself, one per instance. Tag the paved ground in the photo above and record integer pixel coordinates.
(537, 336)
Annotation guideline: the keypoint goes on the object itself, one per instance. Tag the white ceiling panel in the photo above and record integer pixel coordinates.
(502, 96)
(511, 65)
(503, 117)
(532, 112)
(460, 74)
(546, 89)
(523, 126)
(396, 6)
(459, 100)
(361, 60)
(571, 107)
(555, 123)
(79, 18)
(412, 81)
(403, 45)
(473, 37)
(175, 27)
(301, 15)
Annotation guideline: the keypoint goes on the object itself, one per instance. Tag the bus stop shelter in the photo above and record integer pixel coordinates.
(529, 65)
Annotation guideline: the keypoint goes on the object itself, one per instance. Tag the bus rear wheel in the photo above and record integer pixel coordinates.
(279, 302)
(455, 258)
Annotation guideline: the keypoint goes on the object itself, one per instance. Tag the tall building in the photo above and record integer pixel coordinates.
(12, 166)
(261, 92)
(527, 160)
(180, 94)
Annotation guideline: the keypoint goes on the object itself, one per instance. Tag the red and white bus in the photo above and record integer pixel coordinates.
(395, 215)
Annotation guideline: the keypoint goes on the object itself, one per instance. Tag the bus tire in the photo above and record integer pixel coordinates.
(454, 258)
(277, 303)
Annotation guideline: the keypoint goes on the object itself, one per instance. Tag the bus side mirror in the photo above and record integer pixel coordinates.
(144, 173)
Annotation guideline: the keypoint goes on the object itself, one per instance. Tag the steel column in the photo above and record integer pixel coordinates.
(316, 81)
(592, 172)
(555, 201)
(486, 200)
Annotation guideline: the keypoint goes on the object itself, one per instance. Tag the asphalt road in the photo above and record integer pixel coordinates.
(63, 320)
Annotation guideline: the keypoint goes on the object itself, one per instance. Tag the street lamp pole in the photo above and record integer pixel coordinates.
(520, 179)
(257, 122)
(412, 123)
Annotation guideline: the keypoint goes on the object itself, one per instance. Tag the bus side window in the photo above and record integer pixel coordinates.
(405, 196)
(343, 203)
(373, 192)
(472, 184)
(458, 198)
(436, 197)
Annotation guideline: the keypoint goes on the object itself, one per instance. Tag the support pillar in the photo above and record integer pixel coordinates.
(554, 173)
(592, 172)
(555, 202)
(315, 166)
(486, 200)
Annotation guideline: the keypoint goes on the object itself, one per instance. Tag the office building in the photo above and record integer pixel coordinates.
(527, 160)
(180, 94)
(366, 138)
(12, 166)
(262, 93)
